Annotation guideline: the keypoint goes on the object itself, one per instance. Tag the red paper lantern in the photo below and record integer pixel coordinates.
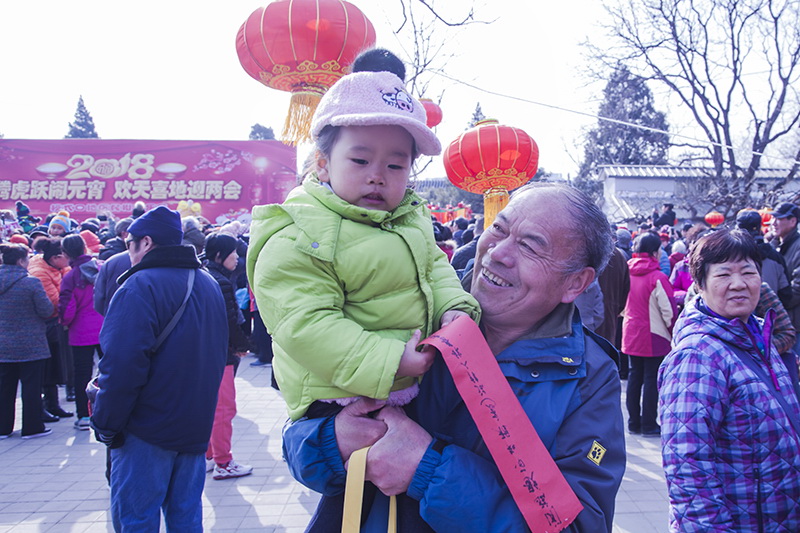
(766, 216)
(714, 219)
(303, 47)
(491, 159)
(433, 112)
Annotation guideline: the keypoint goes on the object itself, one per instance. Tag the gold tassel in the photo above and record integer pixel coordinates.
(297, 127)
(494, 200)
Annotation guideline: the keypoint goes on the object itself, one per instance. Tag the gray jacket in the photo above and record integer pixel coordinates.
(24, 307)
(790, 250)
(106, 283)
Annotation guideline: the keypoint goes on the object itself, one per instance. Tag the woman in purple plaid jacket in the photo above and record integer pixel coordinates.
(729, 414)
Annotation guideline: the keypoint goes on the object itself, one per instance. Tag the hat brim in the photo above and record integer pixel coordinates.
(424, 138)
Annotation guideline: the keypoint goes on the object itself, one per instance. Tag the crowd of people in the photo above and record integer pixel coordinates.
(342, 280)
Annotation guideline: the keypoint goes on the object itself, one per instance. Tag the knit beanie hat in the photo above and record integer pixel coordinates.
(92, 241)
(19, 239)
(62, 219)
(375, 99)
(624, 237)
(219, 245)
(22, 209)
(161, 224)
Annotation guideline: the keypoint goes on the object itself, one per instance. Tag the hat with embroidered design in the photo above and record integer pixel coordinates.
(370, 98)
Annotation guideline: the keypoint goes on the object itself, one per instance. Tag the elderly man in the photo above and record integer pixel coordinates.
(787, 242)
(165, 344)
(529, 269)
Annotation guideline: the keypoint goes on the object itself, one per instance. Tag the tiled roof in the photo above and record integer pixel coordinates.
(668, 171)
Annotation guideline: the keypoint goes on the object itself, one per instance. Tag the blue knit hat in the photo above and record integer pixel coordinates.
(62, 219)
(160, 224)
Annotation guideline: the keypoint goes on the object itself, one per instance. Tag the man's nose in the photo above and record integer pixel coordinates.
(375, 177)
(500, 251)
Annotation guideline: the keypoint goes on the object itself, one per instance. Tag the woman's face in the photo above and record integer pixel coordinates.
(732, 288)
(60, 261)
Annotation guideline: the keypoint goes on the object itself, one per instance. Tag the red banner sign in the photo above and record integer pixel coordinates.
(219, 180)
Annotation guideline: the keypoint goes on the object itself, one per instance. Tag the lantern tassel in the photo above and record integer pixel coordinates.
(297, 127)
(494, 200)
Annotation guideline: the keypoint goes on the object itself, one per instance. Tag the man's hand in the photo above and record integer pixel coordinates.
(393, 460)
(449, 316)
(414, 363)
(355, 429)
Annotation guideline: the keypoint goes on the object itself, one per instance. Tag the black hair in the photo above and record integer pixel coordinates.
(380, 60)
(73, 246)
(646, 242)
(13, 252)
(327, 138)
(718, 247)
(48, 247)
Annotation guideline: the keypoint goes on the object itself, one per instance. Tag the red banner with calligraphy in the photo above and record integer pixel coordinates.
(218, 180)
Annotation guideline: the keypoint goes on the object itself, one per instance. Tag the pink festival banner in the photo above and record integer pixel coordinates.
(218, 180)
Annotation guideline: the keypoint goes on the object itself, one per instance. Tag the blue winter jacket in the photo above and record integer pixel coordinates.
(166, 398)
(570, 388)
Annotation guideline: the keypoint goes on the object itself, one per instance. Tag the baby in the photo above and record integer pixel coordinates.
(346, 271)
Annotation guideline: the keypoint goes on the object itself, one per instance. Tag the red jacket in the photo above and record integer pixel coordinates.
(649, 311)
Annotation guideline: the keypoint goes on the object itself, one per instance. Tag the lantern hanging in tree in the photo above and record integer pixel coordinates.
(714, 219)
(491, 159)
(303, 47)
(433, 112)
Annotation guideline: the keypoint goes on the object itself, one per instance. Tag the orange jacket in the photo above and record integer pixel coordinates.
(49, 276)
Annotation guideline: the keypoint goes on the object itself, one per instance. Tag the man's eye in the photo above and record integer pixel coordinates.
(396, 167)
(359, 161)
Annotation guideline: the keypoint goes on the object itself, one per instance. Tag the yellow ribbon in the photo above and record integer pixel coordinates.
(354, 495)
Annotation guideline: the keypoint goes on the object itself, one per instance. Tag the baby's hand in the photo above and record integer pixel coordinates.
(414, 363)
(449, 316)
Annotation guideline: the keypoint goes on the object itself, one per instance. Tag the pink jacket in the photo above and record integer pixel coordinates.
(76, 304)
(681, 280)
(649, 311)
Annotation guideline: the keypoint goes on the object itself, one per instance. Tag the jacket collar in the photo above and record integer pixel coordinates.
(787, 242)
(559, 339)
(178, 256)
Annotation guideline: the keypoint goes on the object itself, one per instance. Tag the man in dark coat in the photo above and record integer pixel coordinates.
(157, 393)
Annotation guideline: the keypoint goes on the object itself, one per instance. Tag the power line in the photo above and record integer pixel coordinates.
(440, 73)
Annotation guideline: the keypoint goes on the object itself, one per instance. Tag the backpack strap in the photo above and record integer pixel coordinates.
(178, 314)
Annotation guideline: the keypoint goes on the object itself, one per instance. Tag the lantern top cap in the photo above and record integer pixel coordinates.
(787, 209)
(375, 99)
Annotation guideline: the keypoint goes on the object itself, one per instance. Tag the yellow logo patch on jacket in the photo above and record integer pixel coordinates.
(596, 453)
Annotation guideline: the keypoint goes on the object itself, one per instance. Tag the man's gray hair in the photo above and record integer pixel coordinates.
(190, 222)
(122, 225)
(587, 223)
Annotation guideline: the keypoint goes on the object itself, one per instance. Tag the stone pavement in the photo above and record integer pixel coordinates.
(56, 483)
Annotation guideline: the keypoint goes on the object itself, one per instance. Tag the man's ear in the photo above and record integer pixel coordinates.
(577, 283)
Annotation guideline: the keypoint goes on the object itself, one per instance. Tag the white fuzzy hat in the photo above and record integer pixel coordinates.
(375, 99)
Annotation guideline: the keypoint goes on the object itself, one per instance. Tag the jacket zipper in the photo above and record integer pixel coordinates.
(759, 513)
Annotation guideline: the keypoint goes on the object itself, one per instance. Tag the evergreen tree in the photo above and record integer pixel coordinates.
(83, 127)
(627, 98)
(477, 116)
(261, 133)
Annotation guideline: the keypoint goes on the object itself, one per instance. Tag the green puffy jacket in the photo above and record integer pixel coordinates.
(341, 289)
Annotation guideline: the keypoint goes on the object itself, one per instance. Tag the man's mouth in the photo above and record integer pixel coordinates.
(494, 279)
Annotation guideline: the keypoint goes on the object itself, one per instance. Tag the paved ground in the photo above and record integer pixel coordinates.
(56, 483)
